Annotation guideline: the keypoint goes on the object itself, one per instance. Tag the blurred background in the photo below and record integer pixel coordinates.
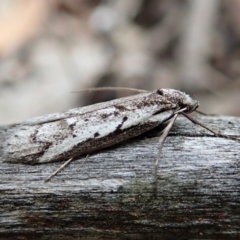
(50, 48)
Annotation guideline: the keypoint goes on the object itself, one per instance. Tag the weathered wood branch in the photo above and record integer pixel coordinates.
(112, 195)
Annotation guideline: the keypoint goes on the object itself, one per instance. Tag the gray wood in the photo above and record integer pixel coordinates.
(112, 195)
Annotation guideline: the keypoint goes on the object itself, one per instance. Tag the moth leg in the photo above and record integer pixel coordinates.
(63, 166)
(195, 121)
(161, 141)
(86, 158)
(58, 170)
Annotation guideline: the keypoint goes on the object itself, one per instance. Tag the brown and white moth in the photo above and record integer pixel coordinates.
(79, 131)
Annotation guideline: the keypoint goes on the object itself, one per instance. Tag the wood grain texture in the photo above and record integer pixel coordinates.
(112, 195)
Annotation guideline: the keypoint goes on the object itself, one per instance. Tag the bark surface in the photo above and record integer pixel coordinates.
(112, 196)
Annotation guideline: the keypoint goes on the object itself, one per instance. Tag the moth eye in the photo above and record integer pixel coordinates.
(160, 92)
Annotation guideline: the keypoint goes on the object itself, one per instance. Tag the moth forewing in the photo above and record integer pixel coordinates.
(57, 137)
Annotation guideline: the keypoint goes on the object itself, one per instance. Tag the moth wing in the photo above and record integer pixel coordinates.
(83, 110)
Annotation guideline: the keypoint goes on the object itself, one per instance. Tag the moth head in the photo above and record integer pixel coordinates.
(179, 98)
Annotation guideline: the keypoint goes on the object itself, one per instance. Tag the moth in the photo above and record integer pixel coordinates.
(80, 131)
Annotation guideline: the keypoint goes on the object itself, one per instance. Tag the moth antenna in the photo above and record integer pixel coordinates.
(161, 141)
(204, 114)
(194, 95)
(110, 89)
(195, 121)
